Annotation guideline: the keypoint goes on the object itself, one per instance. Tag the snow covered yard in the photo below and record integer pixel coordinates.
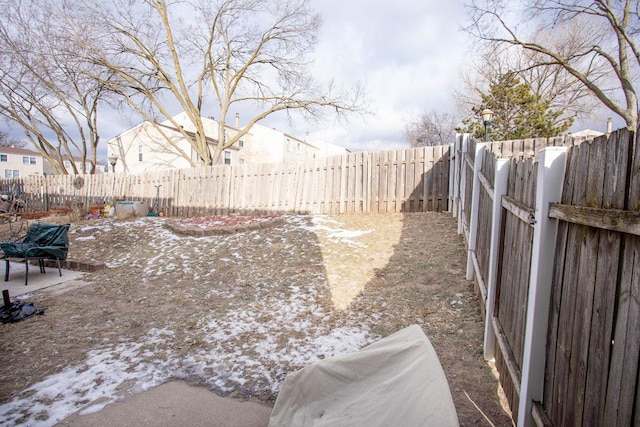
(237, 312)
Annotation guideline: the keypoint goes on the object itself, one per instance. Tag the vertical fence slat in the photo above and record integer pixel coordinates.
(414, 179)
(623, 380)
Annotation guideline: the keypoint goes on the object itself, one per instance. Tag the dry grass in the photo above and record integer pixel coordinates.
(379, 273)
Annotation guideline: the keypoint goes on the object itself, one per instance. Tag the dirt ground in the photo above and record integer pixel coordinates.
(378, 272)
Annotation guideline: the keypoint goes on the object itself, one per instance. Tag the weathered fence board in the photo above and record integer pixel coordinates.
(485, 206)
(410, 180)
(623, 386)
(591, 302)
(512, 288)
(468, 165)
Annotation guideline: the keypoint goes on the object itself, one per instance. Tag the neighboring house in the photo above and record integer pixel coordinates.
(144, 148)
(326, 149)
(587, 133)
(50, 170)
(19, 162)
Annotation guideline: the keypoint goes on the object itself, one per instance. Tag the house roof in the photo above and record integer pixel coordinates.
(131, 129)
(80, 159)
(587, 133)
(193, 135)
(321, 145)
(19, 151)
(27, 152)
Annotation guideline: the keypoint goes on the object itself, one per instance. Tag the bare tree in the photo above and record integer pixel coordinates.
(7, 140)
(597, 46)
(44, 86)
(550, 83)
(431, 128)
(239, 51)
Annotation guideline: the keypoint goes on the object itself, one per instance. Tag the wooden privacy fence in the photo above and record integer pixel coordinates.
(410, 180)
(553, 241)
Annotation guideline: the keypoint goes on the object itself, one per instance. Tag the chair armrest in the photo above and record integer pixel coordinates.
(46, 249)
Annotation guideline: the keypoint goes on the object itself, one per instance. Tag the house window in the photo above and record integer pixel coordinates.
(241, 143)
(67, 164)
(195, 157)
(227, 157)
(3, 157)
(289, 145)
(11, 173)
(140, 152)
(28, 160)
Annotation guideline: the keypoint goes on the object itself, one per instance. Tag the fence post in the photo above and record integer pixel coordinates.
(455, 175)
(452, 182)
(475, 201)
(551, 170)
(462, 182)
(500, 182)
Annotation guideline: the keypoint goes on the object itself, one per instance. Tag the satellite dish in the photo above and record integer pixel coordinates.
(78, 182)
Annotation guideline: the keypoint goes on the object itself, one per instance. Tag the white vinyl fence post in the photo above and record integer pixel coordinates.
(462, 203)
(457, 147)
(452, 169)
(500, 182)
(475, 201)
(551, 170)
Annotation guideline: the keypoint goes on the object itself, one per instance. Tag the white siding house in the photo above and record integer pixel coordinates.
(19, 162)
(49, 170)
(143, 148)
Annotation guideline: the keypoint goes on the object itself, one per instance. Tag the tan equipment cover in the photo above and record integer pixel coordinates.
(397, 381)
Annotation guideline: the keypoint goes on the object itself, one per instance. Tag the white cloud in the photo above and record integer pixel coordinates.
(405, 52)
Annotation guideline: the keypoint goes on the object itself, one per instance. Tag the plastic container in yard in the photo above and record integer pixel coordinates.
(131, 208)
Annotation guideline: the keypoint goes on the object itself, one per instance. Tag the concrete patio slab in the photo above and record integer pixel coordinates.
(36, 281)
(176, 403)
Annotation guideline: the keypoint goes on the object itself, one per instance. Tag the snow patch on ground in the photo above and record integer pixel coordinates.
(79, 387)
(242, 348)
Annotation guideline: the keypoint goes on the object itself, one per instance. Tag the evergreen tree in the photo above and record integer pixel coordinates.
(518, 113)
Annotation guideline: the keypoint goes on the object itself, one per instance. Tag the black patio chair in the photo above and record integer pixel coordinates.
(42, 242)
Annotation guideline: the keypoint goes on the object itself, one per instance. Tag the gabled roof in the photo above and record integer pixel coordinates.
(193, 135)
(27, 152)
(171, 128)
(80, 159)
(587, 133)
(19, 151)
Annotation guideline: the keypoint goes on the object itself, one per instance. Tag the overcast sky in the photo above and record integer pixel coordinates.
(406, 52)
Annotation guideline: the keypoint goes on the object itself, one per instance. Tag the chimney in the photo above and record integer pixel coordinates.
(237, 120)
(609, 126)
